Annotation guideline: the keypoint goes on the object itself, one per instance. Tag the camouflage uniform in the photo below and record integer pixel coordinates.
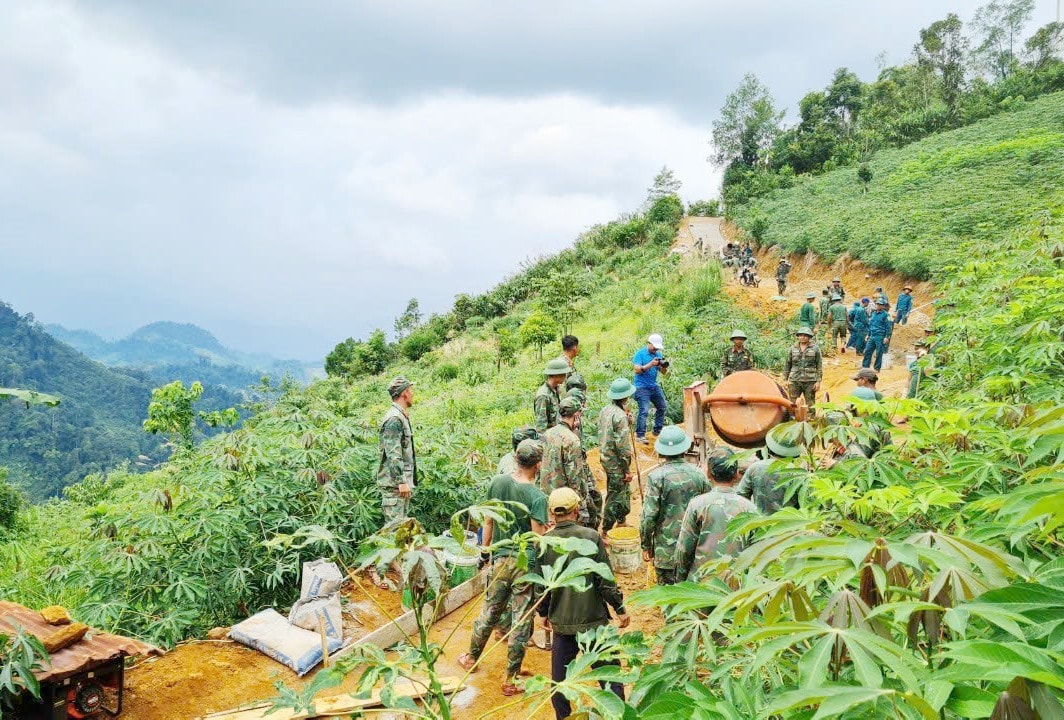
(398, 463)
(616, 455)
(504, 595)
(765, 487)
(781, 277)
(546, 407)
(837, 315)
(822, 314)
(735, 361)
(670, 487)
(704, 529)
(594, 497)
(564, 465)
(803, 370)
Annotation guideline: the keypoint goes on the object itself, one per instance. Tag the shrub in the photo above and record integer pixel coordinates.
(705, 208)
(447, 371)
(418, 343)
(661, 234)
(668, 210)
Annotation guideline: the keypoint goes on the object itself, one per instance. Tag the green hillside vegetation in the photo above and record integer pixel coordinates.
(98, 424)
(929, 204)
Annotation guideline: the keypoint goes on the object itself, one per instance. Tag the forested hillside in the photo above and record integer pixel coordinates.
(98, 424)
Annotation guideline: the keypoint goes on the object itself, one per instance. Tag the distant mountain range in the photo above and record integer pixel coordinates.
(180, 351)
(104, 387)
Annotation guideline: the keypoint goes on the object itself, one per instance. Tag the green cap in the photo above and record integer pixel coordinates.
(397, 386)
(529, 452)
(578, 394)
(810, 296)
(569, 406)
(737, 334)
(575, 381)
(620, 388)
(557, 366)
(672, 441)
(836, 297)
(525, 432)
(804, 330)
(779, 445)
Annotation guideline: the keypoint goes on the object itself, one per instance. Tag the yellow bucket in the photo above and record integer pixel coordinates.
(625, 553)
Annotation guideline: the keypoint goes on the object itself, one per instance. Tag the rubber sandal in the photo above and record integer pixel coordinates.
(509, 690)
(467, 662)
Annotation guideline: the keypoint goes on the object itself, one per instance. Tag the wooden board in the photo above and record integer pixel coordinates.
(335, 706)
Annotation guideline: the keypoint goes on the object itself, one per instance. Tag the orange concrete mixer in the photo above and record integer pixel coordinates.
(742, 408)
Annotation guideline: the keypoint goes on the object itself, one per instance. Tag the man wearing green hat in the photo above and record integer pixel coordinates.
(563, 456)
(807, 315)
(737, 357)
(615, 452)
(764, 482)
(397, 471)
(804, 367)
(670, 486)
(704, 529)
(547, 397)
(837, 317)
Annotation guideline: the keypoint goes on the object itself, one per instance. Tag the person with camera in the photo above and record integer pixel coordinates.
(647, 363)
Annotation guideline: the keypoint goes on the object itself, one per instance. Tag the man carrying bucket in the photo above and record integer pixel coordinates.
(504, 591)
(670, 486)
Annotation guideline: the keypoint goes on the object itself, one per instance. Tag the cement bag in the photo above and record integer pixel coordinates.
(305, 614)
(271, 634)
(320, 577)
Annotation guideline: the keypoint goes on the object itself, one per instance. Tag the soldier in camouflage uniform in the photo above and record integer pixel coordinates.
(703, 532)
(570, 349)
(563, 457)
(837, 318)
(737, 357)
(396, 476)
(782, 271)
(822, 318)
(546, 401)
(594, 497)
(670, 487)
(505, 593)
(804, 367)
(615, 452)
(765, 485)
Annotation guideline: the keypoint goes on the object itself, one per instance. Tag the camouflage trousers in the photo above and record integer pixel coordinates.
(618, 501)
(667, 576)
(394, 507)
(803, 388)
(594, 507)
(505, 593)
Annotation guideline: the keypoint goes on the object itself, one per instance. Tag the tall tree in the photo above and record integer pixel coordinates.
(665, 184)
(942, 49)
(747, 126)
(409, 321)
(1043, 47)
(845, 98)
(999, 24)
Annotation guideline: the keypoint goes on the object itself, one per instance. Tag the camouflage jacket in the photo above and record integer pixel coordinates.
(615, 446)
(804, 365)
(669, 488)
(545, 407)
(766, 487)
(781, 271)
(564, 464)
(824, 305)
(703, 532)
(735, 361)
(398, 461)
(840, 291)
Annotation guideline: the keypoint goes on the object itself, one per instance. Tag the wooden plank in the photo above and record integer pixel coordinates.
(336, 705)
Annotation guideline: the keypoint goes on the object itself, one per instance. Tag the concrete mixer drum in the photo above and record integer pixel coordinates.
(742, 408)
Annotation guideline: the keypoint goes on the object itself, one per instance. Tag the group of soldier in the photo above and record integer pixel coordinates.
(547, 482)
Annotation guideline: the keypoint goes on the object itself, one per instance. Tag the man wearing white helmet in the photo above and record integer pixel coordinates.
(647, 363)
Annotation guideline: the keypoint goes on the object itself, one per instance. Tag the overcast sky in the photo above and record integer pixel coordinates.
(287, 173)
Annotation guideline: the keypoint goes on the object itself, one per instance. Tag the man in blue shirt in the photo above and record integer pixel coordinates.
(647, 363)
(904, 306)
(880, 329)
